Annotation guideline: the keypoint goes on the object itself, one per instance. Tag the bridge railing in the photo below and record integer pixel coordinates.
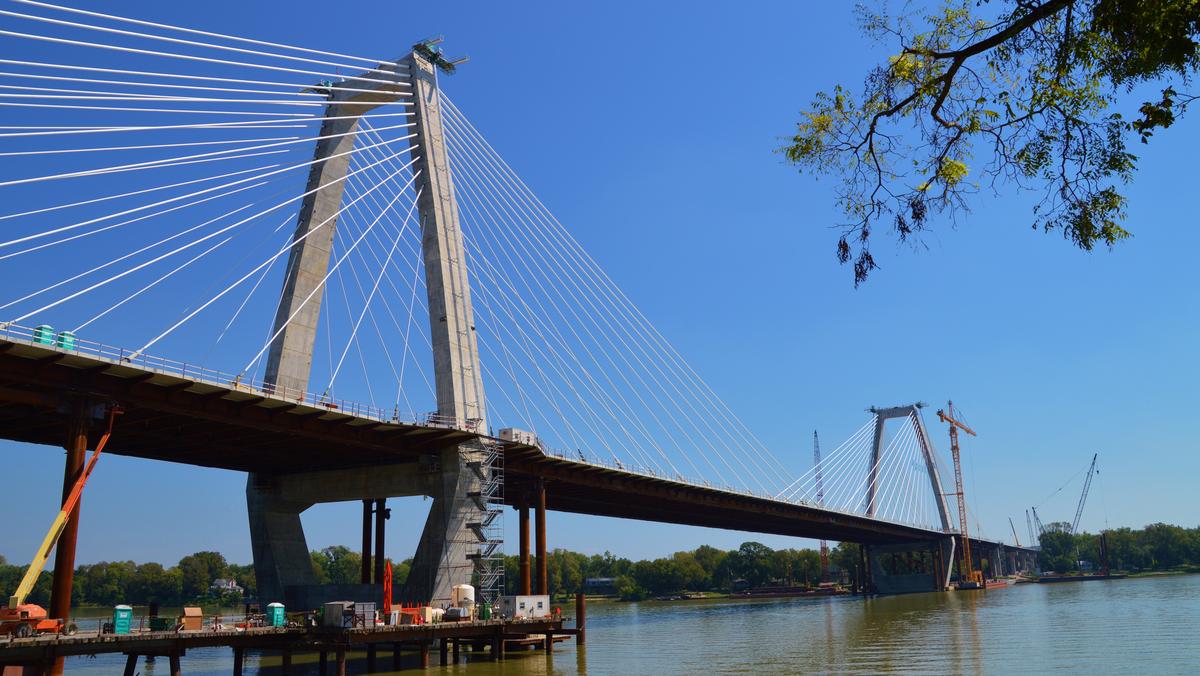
(65, 341)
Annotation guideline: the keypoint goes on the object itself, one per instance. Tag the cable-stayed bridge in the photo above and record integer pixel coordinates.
(314, 268)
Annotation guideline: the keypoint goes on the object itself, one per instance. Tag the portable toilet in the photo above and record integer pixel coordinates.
(122, 619)
(43, 334)
(66, 340)
(276, 616)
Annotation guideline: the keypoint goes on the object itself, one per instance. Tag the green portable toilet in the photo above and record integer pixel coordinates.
(276, 616)
(66, 340)
(122, 619)
(485, 611)
(43, 334)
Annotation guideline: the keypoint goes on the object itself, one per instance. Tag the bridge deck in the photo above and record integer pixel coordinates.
(174, 417)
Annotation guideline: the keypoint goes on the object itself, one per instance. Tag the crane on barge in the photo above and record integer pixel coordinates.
(969, 578)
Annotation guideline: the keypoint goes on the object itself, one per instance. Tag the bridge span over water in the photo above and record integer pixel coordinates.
(230, 200)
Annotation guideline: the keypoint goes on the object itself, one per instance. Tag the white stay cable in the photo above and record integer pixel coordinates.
(150, 164)
(152, 146)
(154, 283)
(177, 76)
(70, 205)
(237, 125)
(253, 288)
(193, 31)
(324, 279)
(703, 418)
(191, 43)
(130, 221)
(190, 57)
(307, 96)
(262, 265)
(379, 278)
(611, 287)
(828, 461)
(81, 224)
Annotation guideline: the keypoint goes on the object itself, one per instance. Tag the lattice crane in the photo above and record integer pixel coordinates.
(969, 578)
(1087, 485)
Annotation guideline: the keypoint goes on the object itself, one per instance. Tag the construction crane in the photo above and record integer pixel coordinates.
(1087, 485)
(1014, 530)
(22, 619)
(1040, 528)
(821, 502)
(1029, 527)
(969, 578)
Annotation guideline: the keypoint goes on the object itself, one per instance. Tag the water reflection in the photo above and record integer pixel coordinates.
(1143, 625)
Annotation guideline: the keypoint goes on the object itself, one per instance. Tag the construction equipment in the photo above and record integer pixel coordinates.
(1040, 528)
(1087, 485)
(821, 502)
(1014, 530)
(969, 578)
(22, 619)
(1033, 538)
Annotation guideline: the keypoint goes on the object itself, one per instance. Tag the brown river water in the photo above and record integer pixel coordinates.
(1139, 626)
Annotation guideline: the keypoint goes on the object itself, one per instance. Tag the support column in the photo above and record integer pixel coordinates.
(323, 663)
(286, 662)
(64, 555)
(424, 654)
(381, 516)
(239, 660)
(543, 577)
(341, 661)
(580, 618)
(176, 669)
(366, 542)
(523, 511)
(444, 652)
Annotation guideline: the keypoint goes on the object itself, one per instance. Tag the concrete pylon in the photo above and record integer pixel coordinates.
(882, 415)
(447, 541)
(450, 477)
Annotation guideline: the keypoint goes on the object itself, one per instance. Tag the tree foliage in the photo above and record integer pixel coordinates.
(1158, 546)
(984, 95)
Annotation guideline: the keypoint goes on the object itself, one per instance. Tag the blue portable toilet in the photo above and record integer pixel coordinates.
(66, 340)
(276, 615)
(122, 619)
(43, 334)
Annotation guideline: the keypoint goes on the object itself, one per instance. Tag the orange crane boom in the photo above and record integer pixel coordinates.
(969, 576)
(59, 523)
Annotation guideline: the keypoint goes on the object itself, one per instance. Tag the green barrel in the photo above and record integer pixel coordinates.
(43, 334)
(276, 615)
(485, 611)
(122, 619)
(66, 340)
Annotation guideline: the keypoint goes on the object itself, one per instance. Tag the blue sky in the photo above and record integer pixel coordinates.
(650, 129)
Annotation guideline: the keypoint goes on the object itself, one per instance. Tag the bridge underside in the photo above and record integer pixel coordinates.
(198, 422)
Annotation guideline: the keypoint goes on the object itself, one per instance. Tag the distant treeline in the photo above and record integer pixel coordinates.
(189, 582)
(1156, 547)
(702, 569)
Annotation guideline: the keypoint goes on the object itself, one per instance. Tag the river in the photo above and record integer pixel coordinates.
(1145, 626)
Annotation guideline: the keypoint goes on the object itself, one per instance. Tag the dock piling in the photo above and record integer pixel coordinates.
(580, 618)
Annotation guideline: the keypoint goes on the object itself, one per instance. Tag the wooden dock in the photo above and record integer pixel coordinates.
(35, 655)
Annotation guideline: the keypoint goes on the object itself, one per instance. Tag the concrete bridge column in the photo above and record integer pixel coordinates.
(542, 564)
